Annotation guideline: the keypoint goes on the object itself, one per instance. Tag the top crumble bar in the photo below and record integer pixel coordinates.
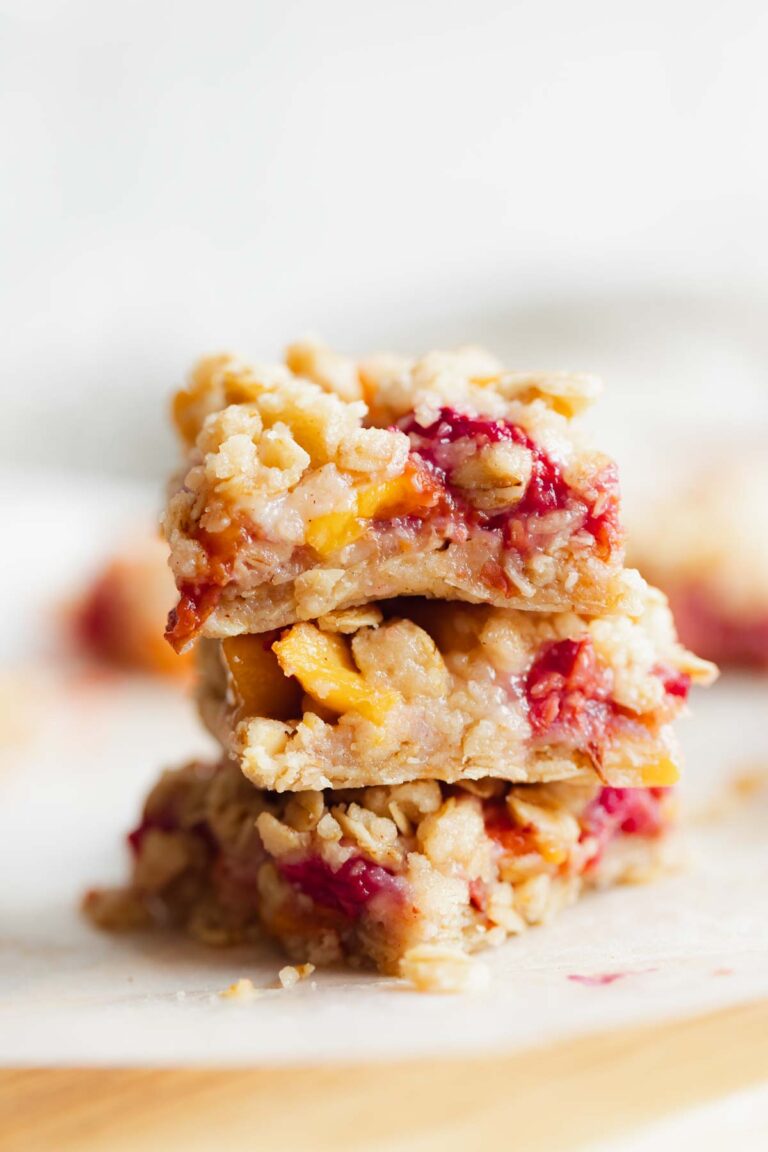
(327, 483)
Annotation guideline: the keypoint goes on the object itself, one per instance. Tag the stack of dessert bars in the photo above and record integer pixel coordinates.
(444, 706)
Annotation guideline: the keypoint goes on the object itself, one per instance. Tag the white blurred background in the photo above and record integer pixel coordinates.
(576, 185)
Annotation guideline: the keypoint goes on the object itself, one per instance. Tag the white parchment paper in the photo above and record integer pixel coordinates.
(77, 752)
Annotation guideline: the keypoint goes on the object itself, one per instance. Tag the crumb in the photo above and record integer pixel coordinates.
(117, 909)
(290, 975)
(722, 972)
(242, 989)
(436, 968)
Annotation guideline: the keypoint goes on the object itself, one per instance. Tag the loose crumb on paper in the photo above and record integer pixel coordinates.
(437, 968)
(290, 975)
(242, 990)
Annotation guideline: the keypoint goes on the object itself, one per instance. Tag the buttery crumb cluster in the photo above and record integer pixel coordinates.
(444, 706)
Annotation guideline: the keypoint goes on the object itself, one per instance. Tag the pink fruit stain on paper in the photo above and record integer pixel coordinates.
(600, 979)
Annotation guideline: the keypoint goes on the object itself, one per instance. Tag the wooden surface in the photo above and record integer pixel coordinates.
(550, 1099)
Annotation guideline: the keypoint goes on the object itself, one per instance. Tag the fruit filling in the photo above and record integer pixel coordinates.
(611, 812)
(197, 600)
(349, 889)
(527, 483)
(570, 701)
(630, 811)
(414, 688)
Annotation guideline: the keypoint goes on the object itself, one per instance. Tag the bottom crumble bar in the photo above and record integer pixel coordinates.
(408, 878)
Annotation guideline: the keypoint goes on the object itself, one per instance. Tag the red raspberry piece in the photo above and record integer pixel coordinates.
(568, 695)
(347, 890)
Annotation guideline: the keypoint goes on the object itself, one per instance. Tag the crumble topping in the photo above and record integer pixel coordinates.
(294, 472)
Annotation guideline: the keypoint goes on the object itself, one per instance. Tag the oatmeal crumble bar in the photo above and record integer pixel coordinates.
(444, 706)
(327, 483)
(708, 550)
(119, 620)
(450, 692)
(398, 877)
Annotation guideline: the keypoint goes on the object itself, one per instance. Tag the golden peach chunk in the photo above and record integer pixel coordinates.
(333, 531)
(323, 665)
(259, 684)
(660, 773)
(377, 501)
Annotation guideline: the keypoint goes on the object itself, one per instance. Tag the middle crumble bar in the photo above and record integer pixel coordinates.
(327, 483)
(450, 692)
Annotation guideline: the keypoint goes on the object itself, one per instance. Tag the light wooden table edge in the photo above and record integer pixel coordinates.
(552, 1098)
